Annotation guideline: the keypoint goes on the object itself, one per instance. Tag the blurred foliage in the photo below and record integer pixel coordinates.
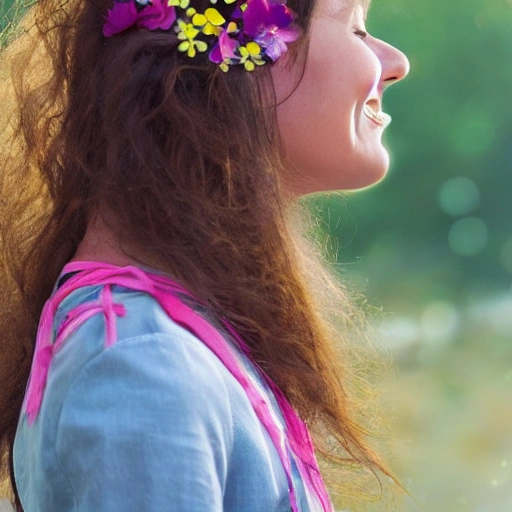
(432, 245)
(10, 12)
(451, 119)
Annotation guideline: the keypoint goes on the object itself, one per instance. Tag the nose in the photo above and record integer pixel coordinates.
(395, 65)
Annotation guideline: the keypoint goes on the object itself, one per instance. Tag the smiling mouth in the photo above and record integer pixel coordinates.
(373, 112)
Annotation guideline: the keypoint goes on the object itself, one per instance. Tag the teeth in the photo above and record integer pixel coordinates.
(380, 118)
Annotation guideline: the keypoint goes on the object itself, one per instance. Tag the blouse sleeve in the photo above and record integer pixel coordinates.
(147, 425)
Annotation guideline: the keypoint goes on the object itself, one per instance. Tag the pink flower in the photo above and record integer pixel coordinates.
(156, 14)
(224, 49)
(274, 40)
(270, 25)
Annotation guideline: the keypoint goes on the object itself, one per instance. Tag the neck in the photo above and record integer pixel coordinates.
(101, 244)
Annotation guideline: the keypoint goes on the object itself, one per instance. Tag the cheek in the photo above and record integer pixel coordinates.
(323, 130)
(317, 122)
(321, 108)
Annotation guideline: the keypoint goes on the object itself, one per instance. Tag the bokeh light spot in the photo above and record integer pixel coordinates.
(468, 236)
(439, 322)
(459, 196)
(399, 332)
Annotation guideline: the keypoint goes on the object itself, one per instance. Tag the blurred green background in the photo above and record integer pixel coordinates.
(432, 246)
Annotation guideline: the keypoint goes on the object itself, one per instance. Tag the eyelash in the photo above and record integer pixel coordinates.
(361, 33)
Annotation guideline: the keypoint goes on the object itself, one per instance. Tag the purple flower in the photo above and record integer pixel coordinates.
(224, 49)
(157, 14)
(270, 25)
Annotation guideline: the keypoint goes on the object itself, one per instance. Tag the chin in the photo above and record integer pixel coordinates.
(369, 172)
(359, 175)
(366, 178)
(363, 175)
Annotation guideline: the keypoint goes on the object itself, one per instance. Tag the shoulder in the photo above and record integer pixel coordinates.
(150, 349)
(156, 367)
(143, 331)
(166, 376)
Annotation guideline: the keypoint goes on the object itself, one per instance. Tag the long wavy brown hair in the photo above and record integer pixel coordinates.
(183, 161)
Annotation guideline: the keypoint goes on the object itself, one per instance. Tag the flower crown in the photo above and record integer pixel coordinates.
(256, 33)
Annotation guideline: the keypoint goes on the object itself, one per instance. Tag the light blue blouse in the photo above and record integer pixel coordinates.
(153, 423)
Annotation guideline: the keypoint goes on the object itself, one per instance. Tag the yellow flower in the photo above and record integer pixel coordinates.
(186, 30)
(232, 27)
(210, 22)
(251, 55)
(180, 3)
(187, 33)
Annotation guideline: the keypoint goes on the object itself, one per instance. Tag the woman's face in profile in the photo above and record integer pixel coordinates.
(330, 126)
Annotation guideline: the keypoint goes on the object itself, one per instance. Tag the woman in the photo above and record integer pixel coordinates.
(188, 331)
